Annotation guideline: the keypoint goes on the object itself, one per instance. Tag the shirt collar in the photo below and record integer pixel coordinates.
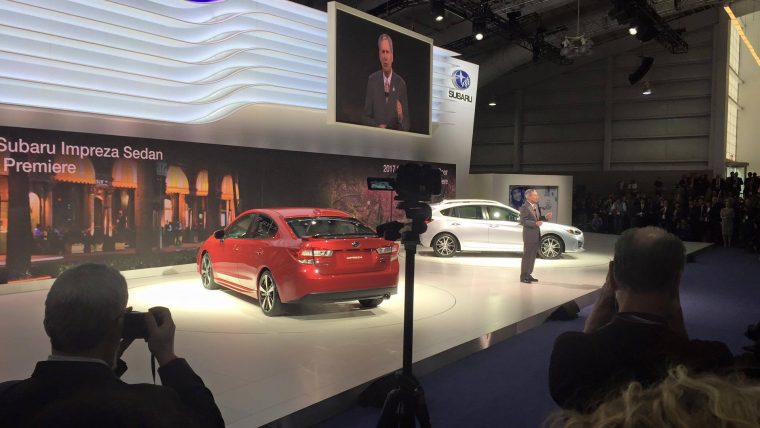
(66, 358)
(388, 79)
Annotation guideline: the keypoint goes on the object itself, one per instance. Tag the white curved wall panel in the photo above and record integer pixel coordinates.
(172, 60)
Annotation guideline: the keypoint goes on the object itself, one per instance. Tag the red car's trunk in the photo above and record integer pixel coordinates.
(335, 256)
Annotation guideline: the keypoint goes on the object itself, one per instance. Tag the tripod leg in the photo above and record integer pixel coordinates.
(421, 409)
(389, 417)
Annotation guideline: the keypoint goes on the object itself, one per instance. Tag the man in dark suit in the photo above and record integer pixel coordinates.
(531, 220)
(386, 104)
(78, 386)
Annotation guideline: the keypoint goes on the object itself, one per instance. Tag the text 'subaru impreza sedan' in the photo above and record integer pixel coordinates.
(293, 255)
(481, 225)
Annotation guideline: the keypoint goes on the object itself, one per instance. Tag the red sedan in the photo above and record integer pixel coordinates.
(292, 255)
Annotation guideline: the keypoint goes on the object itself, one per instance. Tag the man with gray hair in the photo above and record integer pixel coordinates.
(636, 329)
(78, 385)
(386, 104)
(531, 221)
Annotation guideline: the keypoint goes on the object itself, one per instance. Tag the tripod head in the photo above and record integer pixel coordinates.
(418, 213)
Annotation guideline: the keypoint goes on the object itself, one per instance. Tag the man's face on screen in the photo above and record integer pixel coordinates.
(386, 56)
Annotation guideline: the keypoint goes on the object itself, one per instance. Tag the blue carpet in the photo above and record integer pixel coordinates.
(507, 385)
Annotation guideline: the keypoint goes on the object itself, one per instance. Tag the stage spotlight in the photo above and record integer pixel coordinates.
(633, 30)
(479, 21)
(438, 9)
(646, 64)
(492, 103)
(646, 90)
(479, 29)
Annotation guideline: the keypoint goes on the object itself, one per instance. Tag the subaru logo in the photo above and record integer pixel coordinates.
(355, 244)
(461, 79)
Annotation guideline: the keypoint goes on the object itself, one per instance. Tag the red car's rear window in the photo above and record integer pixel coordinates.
(328, 227)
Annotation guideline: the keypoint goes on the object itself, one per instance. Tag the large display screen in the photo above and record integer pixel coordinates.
(380, 73)
(67, 198)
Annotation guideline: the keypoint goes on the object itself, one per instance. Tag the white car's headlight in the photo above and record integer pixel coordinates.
(573, 231)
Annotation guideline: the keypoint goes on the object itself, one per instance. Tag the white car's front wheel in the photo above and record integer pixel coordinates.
(550, 247)
(445, 245)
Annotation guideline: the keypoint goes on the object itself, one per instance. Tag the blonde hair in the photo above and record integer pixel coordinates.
(680, 401)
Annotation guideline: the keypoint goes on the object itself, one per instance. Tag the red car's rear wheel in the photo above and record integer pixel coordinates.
(269, 298)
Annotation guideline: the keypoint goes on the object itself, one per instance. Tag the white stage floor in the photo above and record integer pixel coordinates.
(261, 369)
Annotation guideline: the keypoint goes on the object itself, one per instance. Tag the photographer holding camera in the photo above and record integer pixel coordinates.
(636, 331)
(79, 385)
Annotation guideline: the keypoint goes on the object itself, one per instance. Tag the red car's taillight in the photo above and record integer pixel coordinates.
(392, 250)
(309, 257)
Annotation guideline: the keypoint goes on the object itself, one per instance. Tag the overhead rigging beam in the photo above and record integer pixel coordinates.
(514, 30)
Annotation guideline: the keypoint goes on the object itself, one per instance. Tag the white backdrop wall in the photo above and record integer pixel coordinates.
(496, 187)
(589, 118)
(240, 72)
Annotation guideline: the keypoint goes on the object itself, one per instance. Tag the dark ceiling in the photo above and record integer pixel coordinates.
(544, 22)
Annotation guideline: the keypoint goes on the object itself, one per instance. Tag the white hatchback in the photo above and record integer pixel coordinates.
(482, 225)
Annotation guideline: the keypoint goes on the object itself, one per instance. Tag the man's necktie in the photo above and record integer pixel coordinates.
(386, 88)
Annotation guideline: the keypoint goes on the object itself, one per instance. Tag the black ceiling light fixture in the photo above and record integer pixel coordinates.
(639, 73)
(480, 21)
(438, 10)
(478, 29)
(538, 43)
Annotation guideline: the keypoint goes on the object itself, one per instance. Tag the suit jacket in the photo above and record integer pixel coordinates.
(83, 394)
(378, 110)
(531, 232)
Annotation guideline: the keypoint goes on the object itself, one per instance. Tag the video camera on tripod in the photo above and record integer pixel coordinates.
(415, 185)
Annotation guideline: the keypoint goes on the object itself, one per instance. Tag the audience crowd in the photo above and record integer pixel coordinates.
(725, 211)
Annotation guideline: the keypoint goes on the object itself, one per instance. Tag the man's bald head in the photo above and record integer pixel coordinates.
(648, 259)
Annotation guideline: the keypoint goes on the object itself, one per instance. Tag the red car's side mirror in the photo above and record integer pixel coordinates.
(219, 234)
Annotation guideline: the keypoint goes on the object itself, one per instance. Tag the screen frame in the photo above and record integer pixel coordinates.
(332, 9)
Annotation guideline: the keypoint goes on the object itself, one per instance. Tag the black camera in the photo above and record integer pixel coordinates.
(135, 326)
(413, 183)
